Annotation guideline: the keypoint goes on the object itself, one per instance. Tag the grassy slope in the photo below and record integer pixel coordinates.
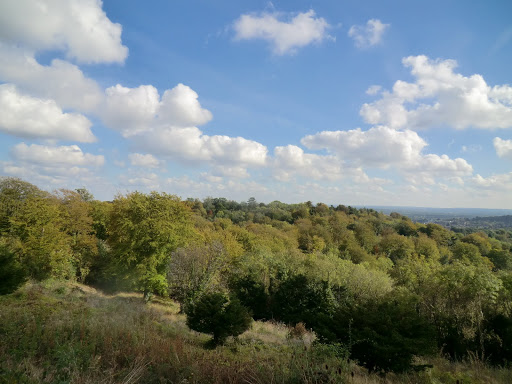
(58, 332)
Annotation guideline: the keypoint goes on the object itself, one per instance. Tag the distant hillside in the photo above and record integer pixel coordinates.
(423, 214)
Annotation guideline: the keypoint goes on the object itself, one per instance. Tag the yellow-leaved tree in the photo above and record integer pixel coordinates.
(144, 230)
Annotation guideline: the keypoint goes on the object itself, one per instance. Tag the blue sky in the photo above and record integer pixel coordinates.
(344, 102)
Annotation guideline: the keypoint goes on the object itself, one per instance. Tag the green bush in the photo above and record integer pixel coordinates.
(217, 315)
(383, 335)
(12, 274)
(251, 293)
(301, 299)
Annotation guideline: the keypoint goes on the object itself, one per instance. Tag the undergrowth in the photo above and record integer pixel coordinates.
(56, 332)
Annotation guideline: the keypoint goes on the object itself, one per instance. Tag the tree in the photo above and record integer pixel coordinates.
(78, 224)
(13, 195)
(12, 274)
(100, 216)
(301, 299)
(252, 293)
(456, 299)
(217, 315)
(439, 234)
(480, 240)
(396, 246)
(469, 254)
(501, 258)
(85, 195)
(426, 247)
(144, 230)
(252, 203)
(365, 235)
(195, 270)
(406, 227)
(39, 239)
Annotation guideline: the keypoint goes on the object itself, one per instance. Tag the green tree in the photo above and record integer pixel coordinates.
(250, 289)
(13, 194)
(456, 299)
(406, 227)
(78, 224)
(12, 274)
(365, 235)
(501, 258)
(216, 314)
(100, 216)
(85, 195)
(480, 240)
(396, 246)
(468, 253)
(439, 234)
(144, 230)
(298, 298)
(39, 239)
(426, 247)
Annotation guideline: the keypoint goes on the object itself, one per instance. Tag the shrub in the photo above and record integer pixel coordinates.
(382, 336)
(301, 299)
(217, 315)
(297, 332)
(252, 294)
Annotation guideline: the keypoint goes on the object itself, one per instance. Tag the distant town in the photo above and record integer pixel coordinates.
(455, 218)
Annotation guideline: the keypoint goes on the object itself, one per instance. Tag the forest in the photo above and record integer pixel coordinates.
(378, 290)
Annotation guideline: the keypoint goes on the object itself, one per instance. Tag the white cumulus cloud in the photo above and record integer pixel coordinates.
(63, 176)
(167, 126)
(426, 169)
(29, 117)
(137, 110)
(231, 171)
(291, 160)
(130, 110)
(55, 156)
(140, 180)
(494, 182)
(368, 35)
(373, 90)
(191, 145)
(379, 146)
(285, 36)
(440, 97)
(55, 166)
(141, 160)
(180, 107)
(78, 27)
(384, 147)
(61, 81)
(503, 148)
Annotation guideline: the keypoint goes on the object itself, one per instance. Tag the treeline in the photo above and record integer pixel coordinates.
(381, 287)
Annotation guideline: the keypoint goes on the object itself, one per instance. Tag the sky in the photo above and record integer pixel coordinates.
(355, 102)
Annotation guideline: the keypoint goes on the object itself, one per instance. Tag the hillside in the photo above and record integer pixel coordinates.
(388, 293)
(58, 332)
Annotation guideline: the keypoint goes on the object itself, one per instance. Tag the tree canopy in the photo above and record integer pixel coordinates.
(383, 286)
